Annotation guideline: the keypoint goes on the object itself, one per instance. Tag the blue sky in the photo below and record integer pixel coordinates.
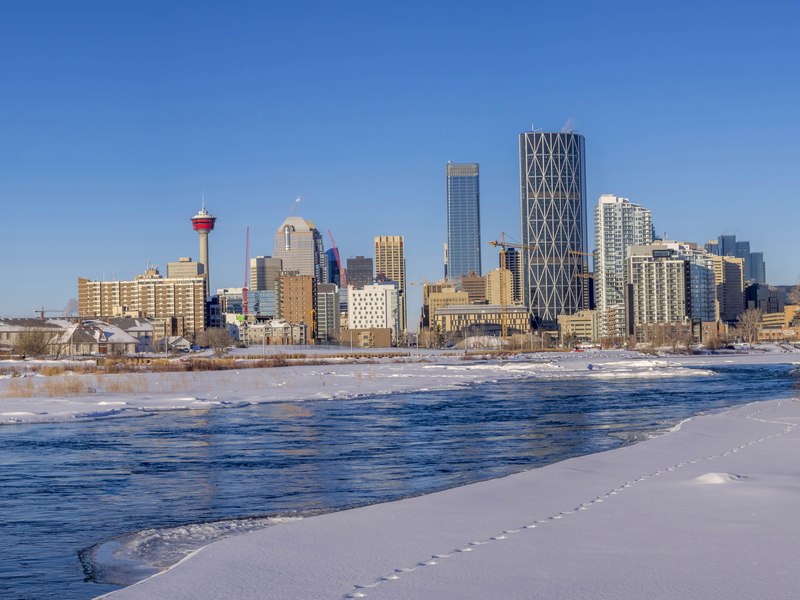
(114, 117)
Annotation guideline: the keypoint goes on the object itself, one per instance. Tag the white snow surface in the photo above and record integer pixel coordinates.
(635, 522)
(135, 394)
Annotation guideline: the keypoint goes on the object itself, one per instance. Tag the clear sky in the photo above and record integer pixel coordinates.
(116, 116)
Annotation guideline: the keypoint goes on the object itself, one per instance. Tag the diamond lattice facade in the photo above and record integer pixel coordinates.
(553, 211)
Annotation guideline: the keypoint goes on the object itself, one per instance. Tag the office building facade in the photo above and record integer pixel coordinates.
(299, 246)
(390, 266)
(553, 218)
(463, 220)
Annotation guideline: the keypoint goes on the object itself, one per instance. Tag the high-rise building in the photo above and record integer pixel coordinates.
(360, 271)
(754, 267)
(553, 215)
(463, 220)
(499, 287)
(729, 280)
(264, 272)
(298, 244)
(332, 262)
(475, 286)
(375, 306)
(514, 264)
(619, 224)
(327, 315)
(390, 265)
(668, 283)
(297, 300)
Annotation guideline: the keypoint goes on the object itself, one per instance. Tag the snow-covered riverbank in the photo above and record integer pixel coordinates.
(708, 510)
(44, 399)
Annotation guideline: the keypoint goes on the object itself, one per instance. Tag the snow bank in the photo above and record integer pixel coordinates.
(635, 522)
(135, 394)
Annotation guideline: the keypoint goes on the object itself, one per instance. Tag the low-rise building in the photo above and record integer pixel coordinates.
(481, 319)
(583, 326)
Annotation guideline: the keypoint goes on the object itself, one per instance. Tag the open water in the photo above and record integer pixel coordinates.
(87, 507)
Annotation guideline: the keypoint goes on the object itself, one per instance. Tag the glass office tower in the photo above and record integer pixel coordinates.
(553, 211)
(463, 220)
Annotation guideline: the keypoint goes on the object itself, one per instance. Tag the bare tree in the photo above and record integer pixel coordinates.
(794, 295)
(749, 324)
(33, 342)
(218, 339)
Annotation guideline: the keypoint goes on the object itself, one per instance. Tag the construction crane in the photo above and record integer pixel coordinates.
(582, 275)
(503, 244)
(42, 311)
(246, 272)
(342, 272)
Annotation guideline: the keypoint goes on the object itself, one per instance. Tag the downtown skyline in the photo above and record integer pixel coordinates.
(108, 149)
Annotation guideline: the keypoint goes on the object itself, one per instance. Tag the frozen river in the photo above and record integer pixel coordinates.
(86, 507)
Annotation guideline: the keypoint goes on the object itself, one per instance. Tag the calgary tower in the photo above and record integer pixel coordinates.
(203, 223)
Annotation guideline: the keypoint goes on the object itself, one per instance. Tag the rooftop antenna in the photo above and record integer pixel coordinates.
(203, 201)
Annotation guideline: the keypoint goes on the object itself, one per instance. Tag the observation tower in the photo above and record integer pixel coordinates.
(203, 223)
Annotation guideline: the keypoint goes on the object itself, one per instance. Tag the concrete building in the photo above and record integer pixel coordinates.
(264, 272)
(150, 296)
(376, 306)
(327, 327)
(553, 211)
(583, 326)
(514, 264)
(499, 287)
(463, 220)
(619, 224)
(480, 319)
(360, 271)
(754, 269)
(299, 246)
(390, 265)
(297, 300)
(475, 287)
(231, 300)
(367, 338)
(729, 281)
(667, 283)
(185, 268)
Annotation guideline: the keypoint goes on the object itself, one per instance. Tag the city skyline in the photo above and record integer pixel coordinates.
(129, 114)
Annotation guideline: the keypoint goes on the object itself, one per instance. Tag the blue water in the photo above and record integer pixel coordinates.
(72, 493)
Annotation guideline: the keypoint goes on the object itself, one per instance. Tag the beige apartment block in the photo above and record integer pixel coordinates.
(149, 295)
(584, 326)
(185, 268)
(390, 265)
(500, 287)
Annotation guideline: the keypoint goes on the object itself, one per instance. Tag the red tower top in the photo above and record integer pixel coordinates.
(203, 222)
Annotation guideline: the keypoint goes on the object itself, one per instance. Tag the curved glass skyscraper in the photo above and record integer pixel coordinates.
(463, 220)
(553, 210)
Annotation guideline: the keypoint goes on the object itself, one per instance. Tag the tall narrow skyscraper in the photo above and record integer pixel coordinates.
(390, 265)
(463, 220)
(298, 244)
(619, 224)
(553, 218)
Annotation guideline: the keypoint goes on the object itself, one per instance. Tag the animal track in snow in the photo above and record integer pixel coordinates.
(357, 591)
